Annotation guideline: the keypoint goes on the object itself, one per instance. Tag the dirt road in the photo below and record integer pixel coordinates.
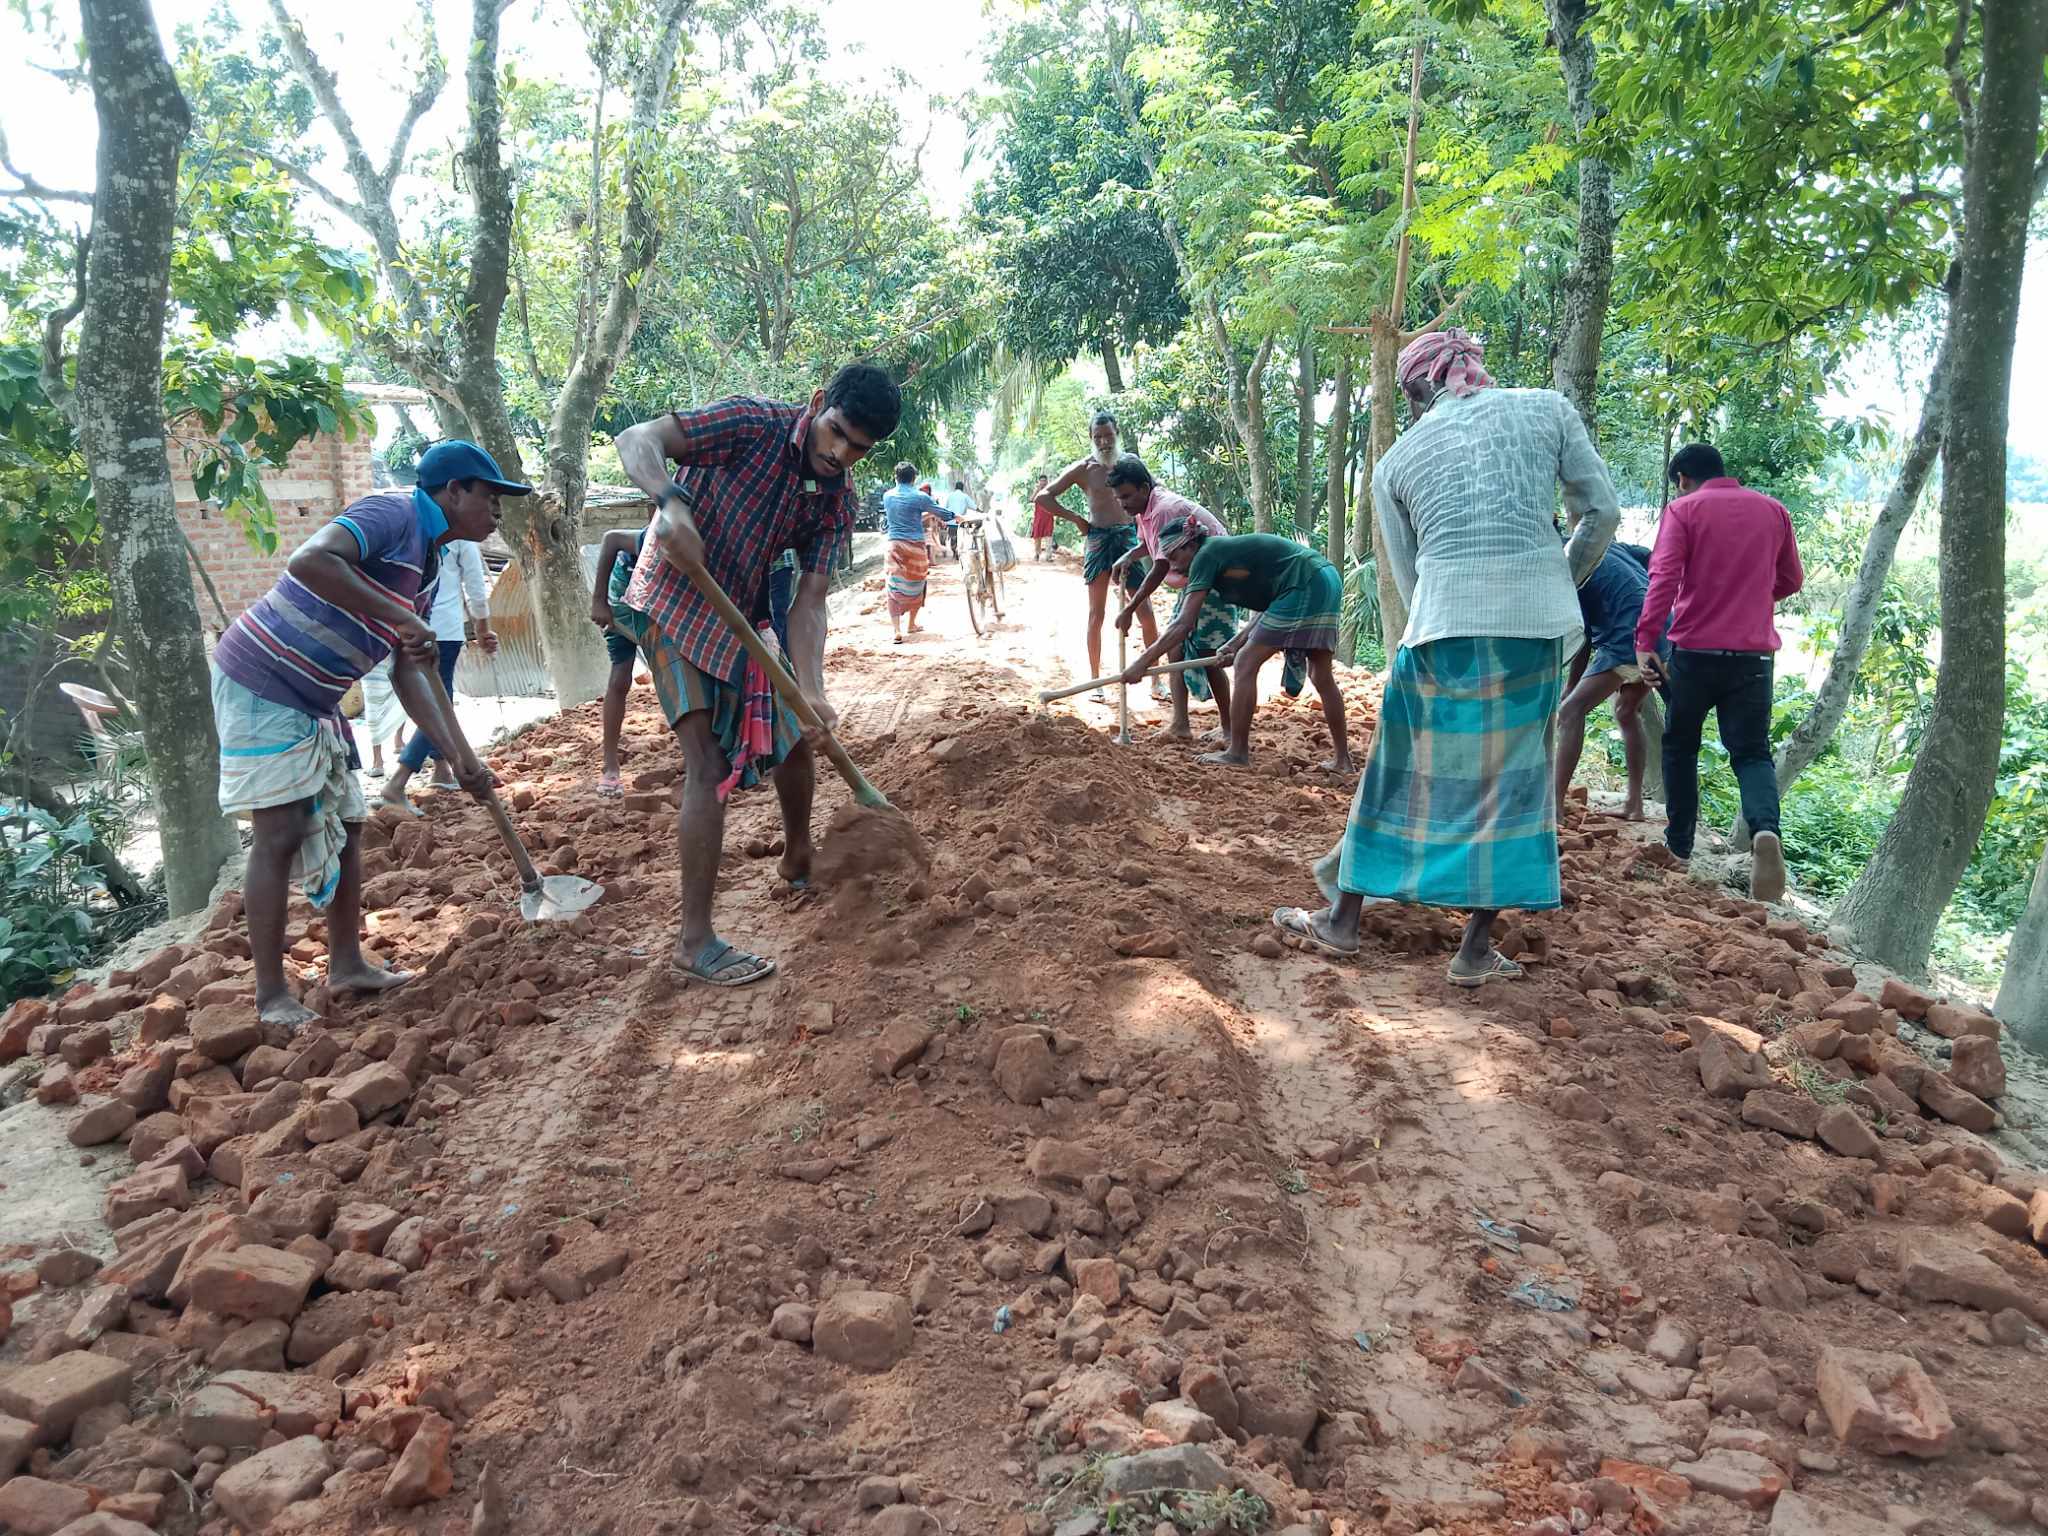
(1040, 1180)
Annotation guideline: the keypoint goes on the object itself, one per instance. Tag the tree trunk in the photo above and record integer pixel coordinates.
(1589, 284)
(143, 121)
(1897, 900)
(1859, 611)
(1258, 449)
(1386, 348)
(1305, 384)
(1110, 365)
(1336, 499)
(1337, 466)
(603, 344)
(545, 534)
(2023, 993)
(1360, 468)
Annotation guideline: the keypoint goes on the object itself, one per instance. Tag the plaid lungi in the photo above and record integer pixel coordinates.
(1306, 618)
(752, 726)
(1457, 806)
(1106, 546)
(1215, 627)
(908, 563)
(273, 755)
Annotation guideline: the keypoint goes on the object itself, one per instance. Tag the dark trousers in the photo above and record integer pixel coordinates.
(1737, 688)
(417, 748)
(781, 595)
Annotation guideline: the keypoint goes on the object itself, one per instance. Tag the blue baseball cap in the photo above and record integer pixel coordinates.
(457, 460)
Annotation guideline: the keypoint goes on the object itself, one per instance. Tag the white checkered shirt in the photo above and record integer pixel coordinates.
(1465, 499)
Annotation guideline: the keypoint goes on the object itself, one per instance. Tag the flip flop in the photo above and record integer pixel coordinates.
(720, 965)
(609, 786)
(1297, 932)
(1498, 966)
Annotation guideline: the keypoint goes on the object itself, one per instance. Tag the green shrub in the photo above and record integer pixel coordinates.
(47, 929)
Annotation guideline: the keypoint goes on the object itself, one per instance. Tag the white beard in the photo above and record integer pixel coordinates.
(1105, 459)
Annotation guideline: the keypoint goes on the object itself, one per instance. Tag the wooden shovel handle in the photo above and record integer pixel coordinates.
(1165, 669)
(780, 680)
(529, 877)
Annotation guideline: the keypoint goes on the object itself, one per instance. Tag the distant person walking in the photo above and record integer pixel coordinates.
(1041, 528)
(1725, 558)
(908, 561)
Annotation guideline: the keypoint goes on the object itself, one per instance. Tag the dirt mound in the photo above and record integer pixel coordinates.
(1033, 1182)
(867, 840)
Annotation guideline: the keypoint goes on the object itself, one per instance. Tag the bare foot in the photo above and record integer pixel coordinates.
(367, 978)
(1339, 765)
(1633, 812)
(795, 868)
(1226, 759)
(396, 800)
(1215, 733)
(1174, 733)
(286, 1011)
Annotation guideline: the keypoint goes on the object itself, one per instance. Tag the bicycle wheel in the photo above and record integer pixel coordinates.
(970, 582)
(995, 587)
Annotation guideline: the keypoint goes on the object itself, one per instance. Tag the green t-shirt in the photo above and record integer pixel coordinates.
(1251, 570)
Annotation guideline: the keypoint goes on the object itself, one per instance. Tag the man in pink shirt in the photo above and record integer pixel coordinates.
(1152, 507)
(1725, 558)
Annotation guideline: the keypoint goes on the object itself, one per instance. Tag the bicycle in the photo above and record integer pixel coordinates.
(978, 574)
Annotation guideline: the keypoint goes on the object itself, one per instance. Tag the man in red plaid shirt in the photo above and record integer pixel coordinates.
(758, 477)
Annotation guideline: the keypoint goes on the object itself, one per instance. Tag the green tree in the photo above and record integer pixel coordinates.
(1896, 902)
(1082, 260)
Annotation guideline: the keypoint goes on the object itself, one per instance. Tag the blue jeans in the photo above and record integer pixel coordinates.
(417, 748)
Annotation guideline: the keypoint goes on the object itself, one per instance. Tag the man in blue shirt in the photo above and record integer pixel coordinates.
(1610, 604)
(908, 560)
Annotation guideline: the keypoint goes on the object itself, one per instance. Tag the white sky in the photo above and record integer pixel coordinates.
(939, 43)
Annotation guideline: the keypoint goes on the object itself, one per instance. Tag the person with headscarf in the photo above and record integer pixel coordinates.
(1457, 806)
(1296, 598)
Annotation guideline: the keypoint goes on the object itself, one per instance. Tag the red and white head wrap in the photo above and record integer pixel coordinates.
(1450, 358)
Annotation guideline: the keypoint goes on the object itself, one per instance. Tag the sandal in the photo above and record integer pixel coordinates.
(609, 786)
(720, 965)
(1498, 966)
(1298, 931)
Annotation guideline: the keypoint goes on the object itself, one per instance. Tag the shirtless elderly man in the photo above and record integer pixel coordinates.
(1111, 533)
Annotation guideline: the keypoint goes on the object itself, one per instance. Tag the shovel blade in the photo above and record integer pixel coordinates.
(559, 897)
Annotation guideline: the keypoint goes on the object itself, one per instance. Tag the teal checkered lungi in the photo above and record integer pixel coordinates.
(1457, 806)
(1215, 627)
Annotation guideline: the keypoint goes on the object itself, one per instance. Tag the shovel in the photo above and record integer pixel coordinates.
(785, 686)
(551, 900)
(869, 835)
(1165, 669)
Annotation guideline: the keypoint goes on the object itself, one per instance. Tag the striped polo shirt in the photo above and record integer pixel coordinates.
(301, 651)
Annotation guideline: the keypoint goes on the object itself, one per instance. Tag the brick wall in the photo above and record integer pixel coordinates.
(322, 477)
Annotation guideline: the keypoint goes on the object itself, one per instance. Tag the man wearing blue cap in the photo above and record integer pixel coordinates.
(357, 591)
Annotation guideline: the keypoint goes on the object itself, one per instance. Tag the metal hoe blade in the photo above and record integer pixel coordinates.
(559, 897)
